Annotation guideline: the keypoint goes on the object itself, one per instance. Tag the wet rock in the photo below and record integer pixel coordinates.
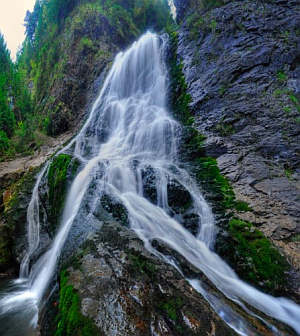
(116, 209)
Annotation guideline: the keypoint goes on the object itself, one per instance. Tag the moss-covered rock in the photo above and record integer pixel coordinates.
(179, 97)
(62, 169)
(254, 257)
(70, 321)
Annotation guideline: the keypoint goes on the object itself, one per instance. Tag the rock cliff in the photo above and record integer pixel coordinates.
(241, 64)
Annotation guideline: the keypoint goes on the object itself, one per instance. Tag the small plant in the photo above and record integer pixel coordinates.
(213, 25)
(242, 206)
(285, 36)
(4, 142)
(281, 77)
(288, 173)
(278, 93)
(141, 265)
(287, 109)
(171, 307)
(222, 90)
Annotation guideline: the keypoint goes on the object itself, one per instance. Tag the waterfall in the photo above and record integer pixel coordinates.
(130, 132)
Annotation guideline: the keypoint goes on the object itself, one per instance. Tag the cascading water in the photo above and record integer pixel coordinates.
(128, 133)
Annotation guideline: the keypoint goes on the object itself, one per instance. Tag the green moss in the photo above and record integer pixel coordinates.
(258, 260)
(141, 265)
(171, 307)
(242, 206)
(288, 173)
(281, 77)
(57, 183)
(208, 173)
(70, 321)
(180, 99)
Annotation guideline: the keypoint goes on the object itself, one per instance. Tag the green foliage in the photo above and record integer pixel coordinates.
(57, 182)
(288, 173)
(195, 22)
(258, 261)
(53, 24)
(7, 118)
(15, 103)
(199, 19)
(194, 142)
(4, 142)
(295, 101)
(70, 320)
(85, 43)
(281, 76)
(242, 206)
(213, 25)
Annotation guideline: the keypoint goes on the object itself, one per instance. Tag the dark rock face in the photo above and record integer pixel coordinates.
(241, 63)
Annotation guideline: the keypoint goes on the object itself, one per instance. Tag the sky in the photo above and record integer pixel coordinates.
(12, 14)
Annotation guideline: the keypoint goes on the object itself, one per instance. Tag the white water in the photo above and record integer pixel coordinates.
(128, 132)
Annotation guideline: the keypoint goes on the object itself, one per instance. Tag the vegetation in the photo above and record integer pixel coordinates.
(15, 106)
(257, 260)
(180, 99)
(171, 307)
(59, 25)
(70, 321)
(43, 61)
(141, 265)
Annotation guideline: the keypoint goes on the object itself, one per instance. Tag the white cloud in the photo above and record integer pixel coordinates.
(12, 14)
